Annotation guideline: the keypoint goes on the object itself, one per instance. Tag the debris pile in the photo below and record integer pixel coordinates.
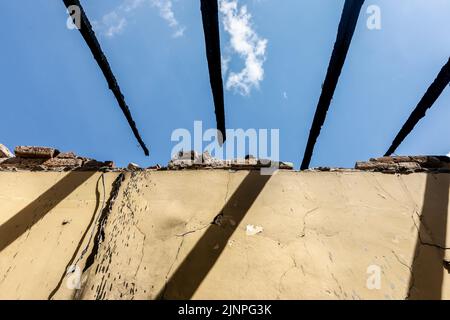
(406, 164)
(193, 160)
(51, 159)
(47, 159)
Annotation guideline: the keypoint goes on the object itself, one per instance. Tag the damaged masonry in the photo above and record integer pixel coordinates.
(47, 159)
(93, 231)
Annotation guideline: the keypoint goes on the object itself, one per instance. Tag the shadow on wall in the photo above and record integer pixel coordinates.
(36, 210)
(81, 241)
(201, 259)
(427, 270)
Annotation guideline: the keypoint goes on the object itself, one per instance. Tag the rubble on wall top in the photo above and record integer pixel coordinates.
(47, 159)
(406, 164)
(194, 160)
(50, 159)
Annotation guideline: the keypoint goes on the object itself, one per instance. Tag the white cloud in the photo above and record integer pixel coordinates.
(448, 155)
(111, 24)
(285, 95)
(245, 42)
(179, 33)
(115, 21)
(166, 12)
(225, 64)
(130, 5)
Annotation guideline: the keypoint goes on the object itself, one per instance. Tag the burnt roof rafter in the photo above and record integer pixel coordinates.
(210, 19)
(90, 38)
(347, 26)
(431, 95)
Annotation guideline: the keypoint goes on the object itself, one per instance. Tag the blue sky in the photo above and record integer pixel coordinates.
(53, 93)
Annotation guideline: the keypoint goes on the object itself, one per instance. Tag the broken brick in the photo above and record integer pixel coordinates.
(63, 163)
(67, 155)
(22, 163)
(35, 152)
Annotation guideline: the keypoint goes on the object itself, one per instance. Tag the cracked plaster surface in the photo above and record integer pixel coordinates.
(321, 233)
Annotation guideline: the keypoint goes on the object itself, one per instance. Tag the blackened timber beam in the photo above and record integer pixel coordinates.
(210, 17)
(89, 37)
(347, 26)
(434, 91)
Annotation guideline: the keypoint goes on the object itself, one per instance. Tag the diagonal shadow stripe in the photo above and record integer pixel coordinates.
(427, 269)
(75, 252)
(36, 210)
(201, 259)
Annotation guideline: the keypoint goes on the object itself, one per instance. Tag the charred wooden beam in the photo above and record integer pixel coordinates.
(427, 101)
(210, 17)
(347, 26)
(88, 35)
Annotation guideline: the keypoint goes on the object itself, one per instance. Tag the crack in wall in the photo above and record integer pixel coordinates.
(419, 237)
(120, 234)
(131, 215)
(144, 237)
(303, 233)
(408, 293)
(193, 231)
(70, 263)
(102, 212)
(170, 269)
(406, 191)
(100, 236)
(142, 258)
(280, 282)
(342, 292)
